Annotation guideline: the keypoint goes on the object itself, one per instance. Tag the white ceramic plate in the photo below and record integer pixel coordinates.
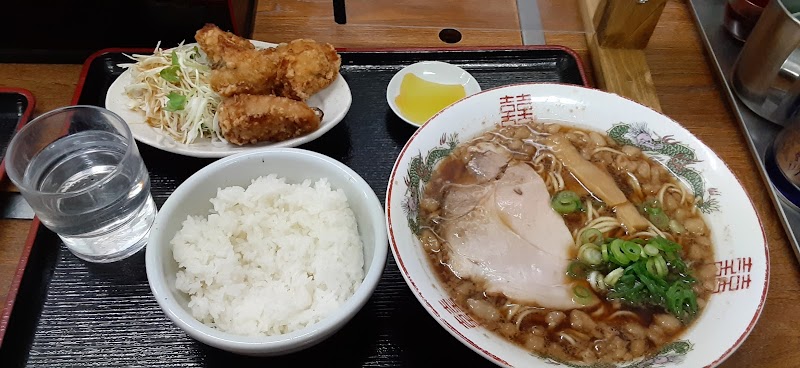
(740, 247)
(432, 71)
(334, 101)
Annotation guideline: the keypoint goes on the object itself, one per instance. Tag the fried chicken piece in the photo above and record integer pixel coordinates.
(305, 68)
(247, 119)
(217, 43)
(246, 72)
(296, 70)
(238, 66)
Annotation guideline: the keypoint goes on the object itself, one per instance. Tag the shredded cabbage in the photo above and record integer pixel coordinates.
(172, 88)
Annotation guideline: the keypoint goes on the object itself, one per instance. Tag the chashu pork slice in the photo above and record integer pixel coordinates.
(513, 241)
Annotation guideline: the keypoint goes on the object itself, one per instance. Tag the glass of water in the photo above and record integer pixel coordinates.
(79, 169)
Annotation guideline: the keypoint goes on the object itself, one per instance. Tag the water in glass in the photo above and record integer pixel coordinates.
(98, 212)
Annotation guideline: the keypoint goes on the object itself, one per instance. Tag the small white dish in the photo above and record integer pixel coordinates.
(334, 101)
(432, 71)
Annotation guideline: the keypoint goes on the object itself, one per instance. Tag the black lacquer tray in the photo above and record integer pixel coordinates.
(71, 313)
(16, 107)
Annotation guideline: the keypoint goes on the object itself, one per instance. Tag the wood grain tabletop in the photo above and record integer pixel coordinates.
(687, 88)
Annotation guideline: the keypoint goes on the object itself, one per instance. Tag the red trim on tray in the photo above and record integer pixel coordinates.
(87, 64)
(407, 276)
(12, 290)
(22, 120)
(568, 50)
(33, 231)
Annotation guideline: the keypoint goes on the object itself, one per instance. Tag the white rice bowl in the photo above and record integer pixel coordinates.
(301, 168)
(271, 258)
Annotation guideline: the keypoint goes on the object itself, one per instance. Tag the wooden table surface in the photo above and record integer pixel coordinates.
(687, 88)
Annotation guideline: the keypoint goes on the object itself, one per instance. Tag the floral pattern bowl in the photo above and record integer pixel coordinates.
(741, 252)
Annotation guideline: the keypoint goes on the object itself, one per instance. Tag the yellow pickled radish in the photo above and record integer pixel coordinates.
(419, 99)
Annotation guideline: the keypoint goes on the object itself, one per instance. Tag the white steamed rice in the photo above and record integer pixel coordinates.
(269, 259)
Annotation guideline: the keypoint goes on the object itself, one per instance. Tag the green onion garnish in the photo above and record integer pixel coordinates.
(631, 250)
(676, 227)
(590, 254)
(592, 235)
(576, 270)
(681, 301)
(613, 276)
(637, 273)
(650, 250)
(661, 266)
(616, 254)
(582, 295)
(659, 219)
(565, 202)
(656, 214)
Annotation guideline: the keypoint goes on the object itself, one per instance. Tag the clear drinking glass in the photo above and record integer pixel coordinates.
(79, 169)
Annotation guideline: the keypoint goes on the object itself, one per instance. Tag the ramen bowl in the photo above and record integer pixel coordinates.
(740, 267)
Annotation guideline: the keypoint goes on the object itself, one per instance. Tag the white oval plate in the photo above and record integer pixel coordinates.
(740, 246)
(432, 71)
(334, 101)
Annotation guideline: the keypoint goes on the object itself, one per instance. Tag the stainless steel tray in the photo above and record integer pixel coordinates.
(723, 50)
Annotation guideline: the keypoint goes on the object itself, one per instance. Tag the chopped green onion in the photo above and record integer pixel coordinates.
(582, 295)
(576, 270)
(170, 74)
(651, 206)
(655, 286)
(650, 250)
(596, 281)
(665, 245)
(676, 227)
(616, 254)
(659, 219)
(613, 276)
(592, 235)
(631, 250)
(176, 102)
(660, 266)
(650, 265)
(590, 254)
(681, 301)
(565, 202)
(642, 274)
(655, 214)
(677, 263)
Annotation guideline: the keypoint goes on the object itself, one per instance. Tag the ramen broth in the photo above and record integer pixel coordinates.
(599, 330)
